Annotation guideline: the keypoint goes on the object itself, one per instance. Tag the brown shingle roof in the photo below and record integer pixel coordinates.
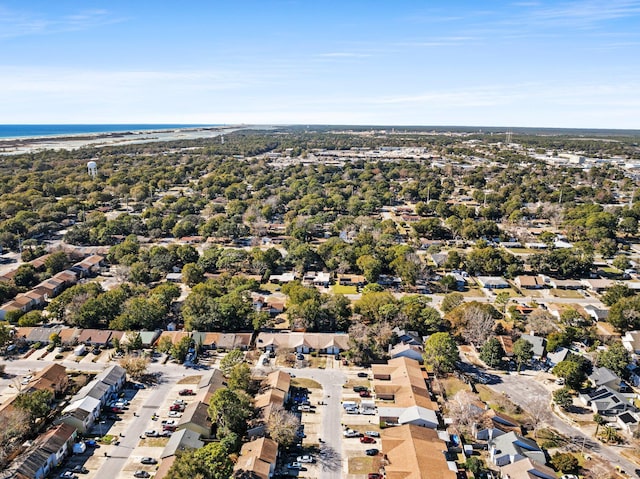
(414, 452)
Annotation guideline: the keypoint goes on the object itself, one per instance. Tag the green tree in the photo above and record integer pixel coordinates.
(475, 465)
(25, 276)
(230, 410)
(563, 398)
(600, 421)
(615, 293)
(32, 318)
(231, 360)
(140, 313)
(572, 373)
(134, 341)
(441, 353)
(522, 352)
(180, 349)
(212, 461)
(5, 335)
(624, 315)
(56, 262)
(616, 358)
(240, 377)
(566, 463)
(165, 344)
(192, 274)
(35, 403)
(492, 353)
(609, 434)
(451, 301)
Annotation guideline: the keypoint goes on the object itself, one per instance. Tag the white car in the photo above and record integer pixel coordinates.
(305, 459)
(174, 414)
(294, 465)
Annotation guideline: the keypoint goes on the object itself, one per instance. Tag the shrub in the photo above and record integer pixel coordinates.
(37, 345)
(59, 356)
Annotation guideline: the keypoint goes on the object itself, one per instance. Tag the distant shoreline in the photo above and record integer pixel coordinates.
(137, 134)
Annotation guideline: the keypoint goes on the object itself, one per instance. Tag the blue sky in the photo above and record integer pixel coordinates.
(395, 62)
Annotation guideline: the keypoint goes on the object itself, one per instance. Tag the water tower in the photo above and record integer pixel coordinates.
(92, 169)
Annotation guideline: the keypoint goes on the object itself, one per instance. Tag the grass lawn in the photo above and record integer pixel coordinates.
(190, 380)
(339, 289)
(271, 287)
(500, 403)
(452, 385)
(523, 250)
(360, 465)
(318, 362)
(305, 383)
(154, 441)
(566, 293)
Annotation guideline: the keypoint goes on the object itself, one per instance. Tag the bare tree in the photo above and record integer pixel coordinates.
(136, 366)
(15, 424)
(478, 325)
(541, 322)
(282, 426)
(463, 410)
(540, 412)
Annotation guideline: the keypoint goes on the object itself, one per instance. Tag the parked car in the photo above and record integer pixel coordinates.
(168, 422)
(148, 460)
(362, 375)
(139, 385)
(300, 357)
(365, 394)
(351, 433)
(175, 414)
(307, 458)
(91, 443)
(372, 433)
(294, 465)
(141, 474)
(186, 392)
(357, 389)
(169, 427)
(68, 475)
(371, 452)
(352, 410)
(80, 469)
(180, 402)
(176, 407)
(367, 440)
(374, 475)
(151, 433)
(165, 434)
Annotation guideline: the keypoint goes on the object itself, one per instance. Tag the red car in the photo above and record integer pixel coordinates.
(367, 440)
(176, 407)
(187, 392)
(169, 427)
(365, 394)
(374, 475)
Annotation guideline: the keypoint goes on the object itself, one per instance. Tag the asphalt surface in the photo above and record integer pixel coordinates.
(524, 390)
(331, 381)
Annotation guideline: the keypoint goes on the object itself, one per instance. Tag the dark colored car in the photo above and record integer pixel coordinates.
(91, 443)
(149, 460)
(357, 389)
(362, 375)
(365, 394)
(186, 392)
(371, 452)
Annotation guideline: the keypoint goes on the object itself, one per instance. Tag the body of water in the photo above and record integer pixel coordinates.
(30, 131)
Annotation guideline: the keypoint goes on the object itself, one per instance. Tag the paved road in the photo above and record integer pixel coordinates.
(136, 426)
(524, 391)
(331, 381)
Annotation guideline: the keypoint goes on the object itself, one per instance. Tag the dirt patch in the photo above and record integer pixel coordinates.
(190, 380)
(305, 383)
(452, 385)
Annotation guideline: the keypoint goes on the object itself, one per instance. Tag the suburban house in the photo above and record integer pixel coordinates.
(598, 285)
(257, 459)
(196, 418)
(95, 337)
(529, 282)
(539, 345)
(606, 401)
(82, 413)
(181, 440)
(492, 282)
(279, 380)
(403, 350)
(628, 422)
(53, 378)
(114, 376)
(527, 469)
(511, 447)
(414, 452)
(46, 453)
(416, 415)
(351, 280)
(317, 278)
(211, 381)
(89, 266)
(631, 341)
(605, 377)
(325, 343)
(500, 424)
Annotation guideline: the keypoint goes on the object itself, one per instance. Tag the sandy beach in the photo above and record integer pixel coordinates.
(15, 146)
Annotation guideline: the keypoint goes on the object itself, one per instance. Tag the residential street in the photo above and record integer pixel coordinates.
(524, 390)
